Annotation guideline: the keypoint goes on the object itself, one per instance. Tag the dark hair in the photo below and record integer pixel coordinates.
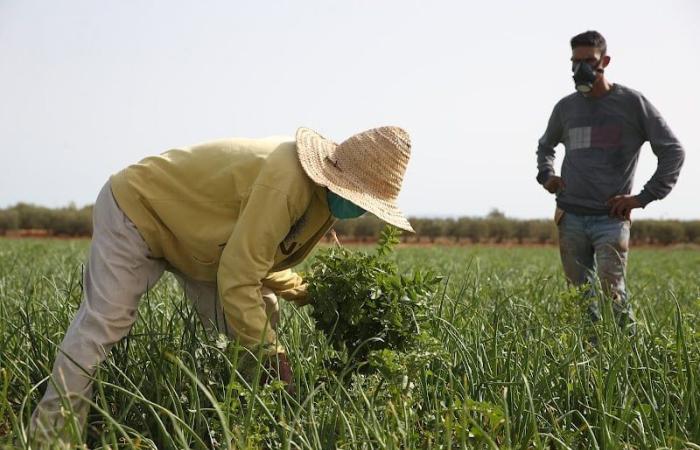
(590, 39)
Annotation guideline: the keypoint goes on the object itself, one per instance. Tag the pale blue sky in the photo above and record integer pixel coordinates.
(88, 87)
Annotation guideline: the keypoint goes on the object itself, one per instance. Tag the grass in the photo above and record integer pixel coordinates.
(519, 371)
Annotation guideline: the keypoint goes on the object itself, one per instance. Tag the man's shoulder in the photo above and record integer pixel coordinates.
(621, 89)
(568, 100)
(241, 144)
(283, 154)
(282, 167)
(628, 94)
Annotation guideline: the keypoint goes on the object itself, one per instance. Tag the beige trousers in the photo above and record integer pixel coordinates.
(118, 272)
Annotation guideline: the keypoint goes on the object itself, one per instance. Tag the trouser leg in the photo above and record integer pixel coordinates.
(119, 270)
(577, 257)
(611, 243)
(205, 299)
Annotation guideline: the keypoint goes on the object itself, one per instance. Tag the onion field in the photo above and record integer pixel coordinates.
(515, 369)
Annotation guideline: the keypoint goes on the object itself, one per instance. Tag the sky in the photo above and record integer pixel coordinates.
(88, 87)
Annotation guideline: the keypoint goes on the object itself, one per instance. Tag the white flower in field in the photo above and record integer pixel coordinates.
(183, 399)
(221, 341)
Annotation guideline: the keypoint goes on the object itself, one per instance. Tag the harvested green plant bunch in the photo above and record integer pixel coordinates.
(364, 305)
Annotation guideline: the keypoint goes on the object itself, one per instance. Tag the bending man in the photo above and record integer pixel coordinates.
(229, 218)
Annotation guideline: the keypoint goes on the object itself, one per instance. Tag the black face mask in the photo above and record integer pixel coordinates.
(584, 76)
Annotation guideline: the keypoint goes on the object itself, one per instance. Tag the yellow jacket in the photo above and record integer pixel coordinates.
(240, 212)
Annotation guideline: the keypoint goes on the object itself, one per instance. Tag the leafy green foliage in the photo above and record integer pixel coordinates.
(364, 305)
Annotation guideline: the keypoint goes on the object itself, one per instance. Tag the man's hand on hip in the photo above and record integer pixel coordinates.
(621, 206)
(554, 184)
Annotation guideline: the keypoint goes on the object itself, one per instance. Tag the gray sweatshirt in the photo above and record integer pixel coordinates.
(602, 138)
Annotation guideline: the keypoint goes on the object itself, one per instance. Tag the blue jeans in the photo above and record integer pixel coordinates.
(591, 245)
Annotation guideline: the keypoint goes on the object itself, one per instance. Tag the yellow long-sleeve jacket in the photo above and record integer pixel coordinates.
(240, 212)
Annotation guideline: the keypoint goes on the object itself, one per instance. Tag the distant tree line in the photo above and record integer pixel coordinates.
(68, 221)
(494, 228)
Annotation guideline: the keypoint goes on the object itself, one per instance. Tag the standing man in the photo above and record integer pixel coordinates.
(229, 218)
(602, 126)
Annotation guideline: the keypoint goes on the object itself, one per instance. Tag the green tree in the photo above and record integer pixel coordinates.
(9, 220)
(543, 231)
(434, 228)
(521, 230)
(668, 232)
(692, 231)
(641, 232)
(367, 227)
(344, 228)
(476, 230)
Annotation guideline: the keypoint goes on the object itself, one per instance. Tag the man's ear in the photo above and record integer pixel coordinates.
(606, 61)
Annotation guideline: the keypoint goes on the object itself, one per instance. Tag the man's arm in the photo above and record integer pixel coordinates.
(545, 148)
(247, 260)
(668, 151)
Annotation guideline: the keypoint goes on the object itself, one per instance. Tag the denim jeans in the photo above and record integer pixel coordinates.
(591, 245)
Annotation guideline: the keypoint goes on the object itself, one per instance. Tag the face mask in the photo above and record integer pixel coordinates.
(341, 208)
(584, 76)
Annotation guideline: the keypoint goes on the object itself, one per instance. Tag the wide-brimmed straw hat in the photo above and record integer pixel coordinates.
(366, 169)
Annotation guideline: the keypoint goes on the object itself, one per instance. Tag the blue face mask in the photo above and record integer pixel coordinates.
(341, 208)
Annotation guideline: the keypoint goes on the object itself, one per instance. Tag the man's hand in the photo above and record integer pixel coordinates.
(621, 206)
(303, 298)
(277, 366)
(554, 184)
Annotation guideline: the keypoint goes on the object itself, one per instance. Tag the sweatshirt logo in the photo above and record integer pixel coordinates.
(606, 137)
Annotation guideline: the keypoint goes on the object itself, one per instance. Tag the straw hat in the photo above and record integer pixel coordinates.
(366, 169)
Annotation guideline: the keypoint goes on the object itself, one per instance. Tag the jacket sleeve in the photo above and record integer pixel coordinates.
(247, 259)
(545, 148)
(288, 285)
(668, 151)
